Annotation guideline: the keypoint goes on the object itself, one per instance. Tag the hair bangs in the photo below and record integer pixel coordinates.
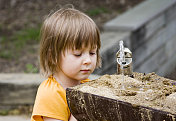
(83, 34)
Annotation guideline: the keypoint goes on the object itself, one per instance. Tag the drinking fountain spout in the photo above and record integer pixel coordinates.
(124, 60)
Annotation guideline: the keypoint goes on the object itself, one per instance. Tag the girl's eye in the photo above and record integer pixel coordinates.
(92, 53)
(77, 55)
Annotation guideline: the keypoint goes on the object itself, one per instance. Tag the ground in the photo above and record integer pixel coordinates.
(20, 25)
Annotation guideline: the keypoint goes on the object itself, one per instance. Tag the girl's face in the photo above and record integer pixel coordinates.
(78, 64)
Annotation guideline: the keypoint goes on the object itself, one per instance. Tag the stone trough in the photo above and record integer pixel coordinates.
(96, 106)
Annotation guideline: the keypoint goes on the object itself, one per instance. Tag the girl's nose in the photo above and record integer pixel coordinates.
(87, 59)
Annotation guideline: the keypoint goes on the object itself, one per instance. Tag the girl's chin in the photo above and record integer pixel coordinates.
(84, 77)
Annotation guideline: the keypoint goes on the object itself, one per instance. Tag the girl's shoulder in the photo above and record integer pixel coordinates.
(51, 100)
(51, 85)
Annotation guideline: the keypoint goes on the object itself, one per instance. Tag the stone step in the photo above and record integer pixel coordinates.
(14, 118)
(138, 16)
(20, 89)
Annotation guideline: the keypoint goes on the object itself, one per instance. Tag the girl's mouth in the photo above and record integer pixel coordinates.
(85, 71)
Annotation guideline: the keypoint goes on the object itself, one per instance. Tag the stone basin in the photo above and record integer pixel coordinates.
(92, 106)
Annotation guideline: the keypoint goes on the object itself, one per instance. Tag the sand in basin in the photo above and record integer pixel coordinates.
(148, 90)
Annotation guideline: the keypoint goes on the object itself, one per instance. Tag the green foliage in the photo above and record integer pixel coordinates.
(3, 112)
(1, 26)
(6, 54)
(30, 68)
(17, 42)
(3, 39)
(26, 36)
(97, 11)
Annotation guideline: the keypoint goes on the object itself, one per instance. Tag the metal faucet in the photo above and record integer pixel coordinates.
(124, 60)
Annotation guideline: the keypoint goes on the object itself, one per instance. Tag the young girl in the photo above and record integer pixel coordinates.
(69, 53)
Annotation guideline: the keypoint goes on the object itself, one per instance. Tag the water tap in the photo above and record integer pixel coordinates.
(124, 60)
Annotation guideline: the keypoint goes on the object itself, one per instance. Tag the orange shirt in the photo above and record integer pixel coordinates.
(51, 101)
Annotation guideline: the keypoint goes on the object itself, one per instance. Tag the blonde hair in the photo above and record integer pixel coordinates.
(66, 28)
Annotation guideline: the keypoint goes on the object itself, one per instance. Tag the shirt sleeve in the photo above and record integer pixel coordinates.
(50, 102)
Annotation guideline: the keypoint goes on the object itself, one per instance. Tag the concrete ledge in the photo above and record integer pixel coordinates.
(166, 68)
(14, 118)
(138, 16)
(110, 38)
(145, 51)
(20, 89)
(20, 78)
(26, 79)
